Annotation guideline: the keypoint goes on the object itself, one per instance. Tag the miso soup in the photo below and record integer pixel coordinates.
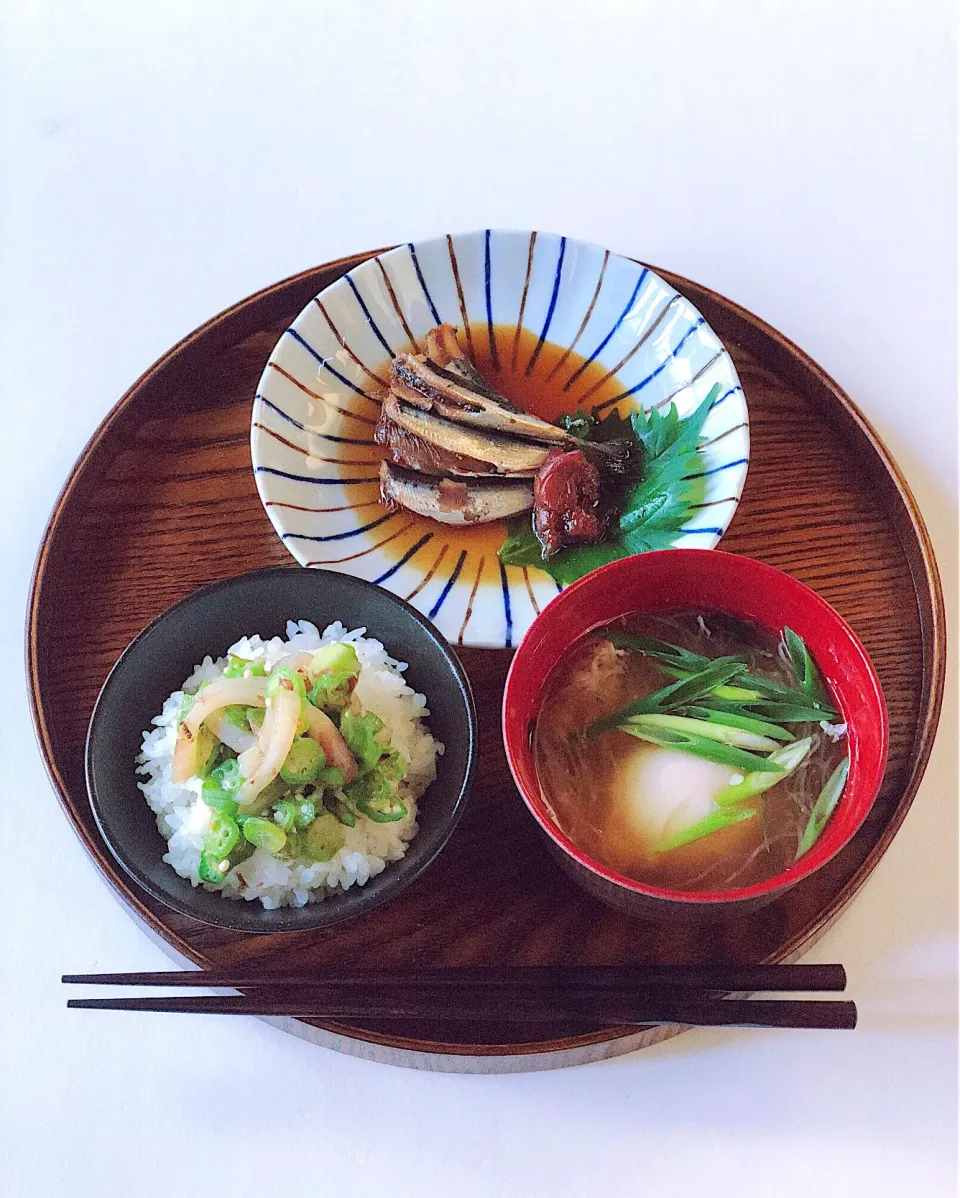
(691, 751)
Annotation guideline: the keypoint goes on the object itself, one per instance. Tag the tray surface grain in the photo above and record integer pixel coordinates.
(163, 500)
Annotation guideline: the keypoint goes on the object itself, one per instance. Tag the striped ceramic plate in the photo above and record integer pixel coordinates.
(556, 324)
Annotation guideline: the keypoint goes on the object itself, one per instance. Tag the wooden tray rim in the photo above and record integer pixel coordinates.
(608, 1041)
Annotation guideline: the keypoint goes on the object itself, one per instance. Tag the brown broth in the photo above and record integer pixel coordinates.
(538, 388)
(586, 781)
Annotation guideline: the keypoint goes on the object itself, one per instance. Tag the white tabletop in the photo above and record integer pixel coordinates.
(160, 162)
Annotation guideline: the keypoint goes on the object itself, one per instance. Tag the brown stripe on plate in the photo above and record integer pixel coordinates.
(323, 399)
(700, 373)
(726, 433)
(337, 561)
(463, 305)
(316, 457)
(473, 594)
(714, 502)
(323, 511)
(343, 345)
(396, 304)
(533, 598)
(623, 361)
(570, 348)
(430, 573)
(523, 303)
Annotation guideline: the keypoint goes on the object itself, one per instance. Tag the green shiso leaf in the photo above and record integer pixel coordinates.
(653, 511)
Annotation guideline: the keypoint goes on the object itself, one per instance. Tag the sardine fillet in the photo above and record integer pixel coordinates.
(507, 455)
(464, 402)
(454, 501)
(406, 449)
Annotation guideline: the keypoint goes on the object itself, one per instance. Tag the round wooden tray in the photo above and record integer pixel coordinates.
(163, 500)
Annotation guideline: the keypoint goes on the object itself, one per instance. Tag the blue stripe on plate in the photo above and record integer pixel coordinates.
(486, 287)
(553, 303)
(325, 365)
(303, 428)
(338, 536)
(621, 318)
(505, 587)
(717, 469)
(726, 395)
(369, 319)
(556, 290)
(663, 365)
(320, 482)
(403, 561)
(450, 581)
(423, 282)
(690, 531)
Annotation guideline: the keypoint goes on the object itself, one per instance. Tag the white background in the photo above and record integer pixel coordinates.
(161, 161)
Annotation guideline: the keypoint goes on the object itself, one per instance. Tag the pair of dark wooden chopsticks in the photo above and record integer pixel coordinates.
(621, 995)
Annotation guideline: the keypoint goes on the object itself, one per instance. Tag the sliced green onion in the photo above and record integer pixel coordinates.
(749, 723)
(823, 808)
(804, 667)
(662, 650)
(697, 746)
(774, 711)
(785, 759)
(236, 714)
(776, 692)
(186, 704)
(677, 694)
(361, 732)
(393, 766)
(283, 676)
(721, 692)
(340, 657)
(679, 663)
(715, 822)
(242, 667)
(727, 734)
(219, 800)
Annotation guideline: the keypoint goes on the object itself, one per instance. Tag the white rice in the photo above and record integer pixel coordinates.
(184, 819)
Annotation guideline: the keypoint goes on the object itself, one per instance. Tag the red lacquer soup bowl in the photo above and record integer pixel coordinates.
(704, 581)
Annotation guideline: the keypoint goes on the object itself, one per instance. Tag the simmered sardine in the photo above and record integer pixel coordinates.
(406, 449)
(454, 501)
(445, 353)
(507, 455)
(435, 388)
